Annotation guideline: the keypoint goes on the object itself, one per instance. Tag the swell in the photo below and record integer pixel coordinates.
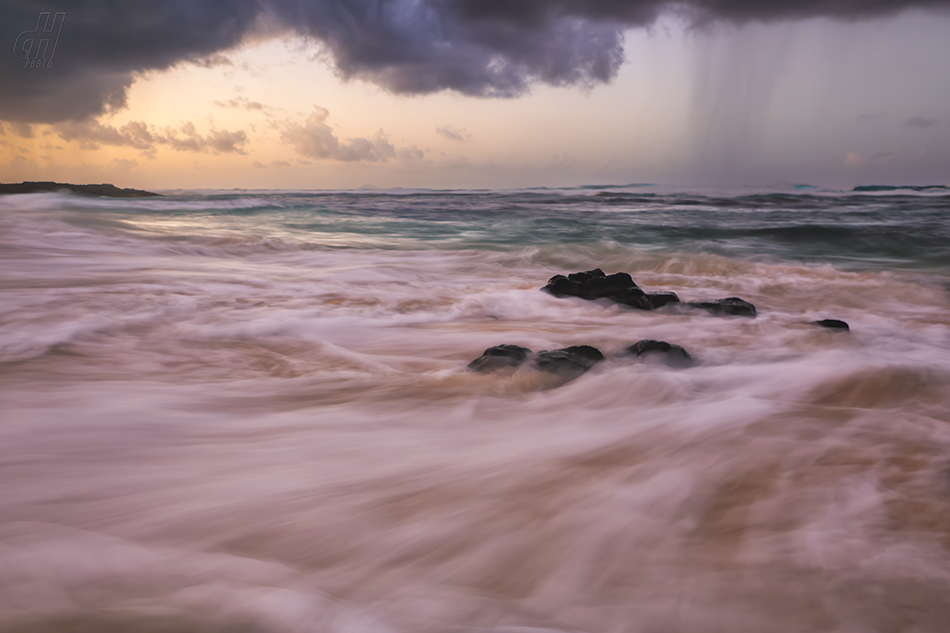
(855, 232)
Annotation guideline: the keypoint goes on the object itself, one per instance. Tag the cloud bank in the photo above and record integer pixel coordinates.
(486, 48)
(315, 139)
(139, 135)
(920, 122)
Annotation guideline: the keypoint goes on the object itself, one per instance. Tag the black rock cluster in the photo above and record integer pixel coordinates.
(620, 288)
(571, 362)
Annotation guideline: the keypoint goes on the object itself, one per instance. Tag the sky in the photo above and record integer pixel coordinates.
(325, 94)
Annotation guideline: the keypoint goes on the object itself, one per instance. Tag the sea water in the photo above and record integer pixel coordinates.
(250, 412)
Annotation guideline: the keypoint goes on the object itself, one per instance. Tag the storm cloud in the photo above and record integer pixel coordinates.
(486, 48)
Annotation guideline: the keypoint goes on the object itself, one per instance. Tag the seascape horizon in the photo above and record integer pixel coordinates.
(474, 316)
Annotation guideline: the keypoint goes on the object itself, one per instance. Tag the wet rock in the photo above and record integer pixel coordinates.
(561, 286)
(591, 284)
(660, 299)
(729, 306)
(587, 275)
(500, 357)
(618, 287)
(569, 362)
(632, 297)
(833, 324)
(672, 354)
(607, 286)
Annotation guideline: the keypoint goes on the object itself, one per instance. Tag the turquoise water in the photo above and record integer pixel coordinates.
(250, 411)
(903, 228)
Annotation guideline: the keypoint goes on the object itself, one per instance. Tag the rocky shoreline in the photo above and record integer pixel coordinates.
(104, 190)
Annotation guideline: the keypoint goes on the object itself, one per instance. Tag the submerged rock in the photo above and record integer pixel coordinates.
(833, 324)
(632, 297)
(660, 299)
(499, 357)
(673, 354)
(569, 362)
(728, 306)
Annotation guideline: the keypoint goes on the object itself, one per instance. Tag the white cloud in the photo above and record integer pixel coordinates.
(315, 139)
(452, 133)
(854, 159)
(139, 135)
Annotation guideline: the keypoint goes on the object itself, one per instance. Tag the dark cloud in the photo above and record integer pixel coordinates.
(23, 130)
(920, 122)
(475, 47)
(101, 45)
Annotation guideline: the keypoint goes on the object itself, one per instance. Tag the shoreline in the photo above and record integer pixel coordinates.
(104, 190)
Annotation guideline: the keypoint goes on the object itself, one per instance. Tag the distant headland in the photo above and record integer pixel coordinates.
(104, 190)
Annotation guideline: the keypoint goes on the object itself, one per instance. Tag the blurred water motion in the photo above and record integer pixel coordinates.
(252, 414)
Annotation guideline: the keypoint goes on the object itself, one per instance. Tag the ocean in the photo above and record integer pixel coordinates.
(251, 412)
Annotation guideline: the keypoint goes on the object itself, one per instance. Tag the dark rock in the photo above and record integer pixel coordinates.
(499, 357)
(597, 287)
(660, 299)
(584, 276)
(674, 354)
(105, 190)
(729, 306)
(632, 296)
(589, 354)
(570, 362)
(640, 300)
(833, 324)
(561, 286)
(592, 284)
(618, 287)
